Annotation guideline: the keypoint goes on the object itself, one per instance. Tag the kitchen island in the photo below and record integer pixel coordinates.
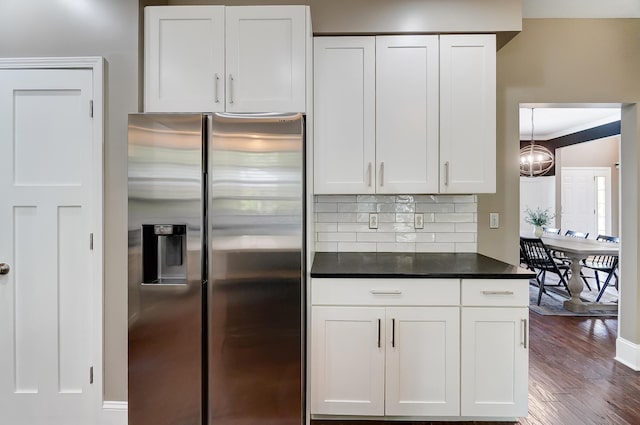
(418, 336)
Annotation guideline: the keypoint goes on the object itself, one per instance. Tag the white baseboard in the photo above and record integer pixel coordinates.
(628, 353)
(114, 413)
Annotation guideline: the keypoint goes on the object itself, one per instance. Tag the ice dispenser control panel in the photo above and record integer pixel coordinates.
(164, 254)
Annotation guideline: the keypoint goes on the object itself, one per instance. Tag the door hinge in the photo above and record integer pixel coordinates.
(91, 108)
(91, 375)
(91, 241)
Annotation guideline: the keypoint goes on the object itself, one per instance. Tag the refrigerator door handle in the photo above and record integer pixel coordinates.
(231, 88)
(215, 88)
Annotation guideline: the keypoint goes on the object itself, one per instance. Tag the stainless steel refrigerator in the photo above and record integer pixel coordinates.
(216, 280)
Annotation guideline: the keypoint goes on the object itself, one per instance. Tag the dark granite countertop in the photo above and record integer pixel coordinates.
(413, 265)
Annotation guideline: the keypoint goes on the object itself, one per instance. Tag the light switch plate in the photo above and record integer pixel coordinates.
(494, 220)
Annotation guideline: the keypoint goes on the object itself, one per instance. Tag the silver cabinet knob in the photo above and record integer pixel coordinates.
(4, 268)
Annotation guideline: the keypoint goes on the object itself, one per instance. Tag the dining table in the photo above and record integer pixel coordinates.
(578, 249)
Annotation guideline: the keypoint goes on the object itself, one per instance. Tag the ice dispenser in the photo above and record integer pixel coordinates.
(164, 253)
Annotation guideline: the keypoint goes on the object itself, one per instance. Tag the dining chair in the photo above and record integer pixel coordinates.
(551, 230)
(576, 234)
(602, 263)
(538, 258)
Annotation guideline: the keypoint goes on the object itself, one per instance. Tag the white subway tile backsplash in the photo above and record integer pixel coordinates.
(396, 227)
(342, 223)
(356, 247)
(455, 237)
(386, 217)
(466, 207)
(347, 207)
(405, 207)
(405, 218)
(336, 198)
(466, 227)
(336, 237)
(386, 207)
(439, 208)
(435, 247)
(406, 237)
(466, 247)
(347, 218)
(326, 207)
(354, 227)
(326, 227)
(454, 218)
(326, 217)
(376, 237)
(326, 246)
(396, 247)
(438, 227)
(426, 237)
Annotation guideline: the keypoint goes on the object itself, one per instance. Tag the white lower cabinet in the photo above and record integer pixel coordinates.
(396, 361)
(347, 366)
(422, 361)
(495, 359)
(419, 348)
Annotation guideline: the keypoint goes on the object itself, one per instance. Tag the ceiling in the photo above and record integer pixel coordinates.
(552, 122)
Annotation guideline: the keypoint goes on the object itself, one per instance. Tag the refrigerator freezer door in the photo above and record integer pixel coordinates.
(255, 198)
(165, 269)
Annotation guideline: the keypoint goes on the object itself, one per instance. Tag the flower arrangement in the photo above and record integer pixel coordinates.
(539, 217)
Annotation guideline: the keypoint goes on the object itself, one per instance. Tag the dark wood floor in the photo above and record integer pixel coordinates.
(573, 378)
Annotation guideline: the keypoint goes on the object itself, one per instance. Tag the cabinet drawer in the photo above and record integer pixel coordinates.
(417, 292)
(495, 292)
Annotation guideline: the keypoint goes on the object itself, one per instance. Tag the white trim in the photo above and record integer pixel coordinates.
(114, 413)
(97, 65)
(628, 353)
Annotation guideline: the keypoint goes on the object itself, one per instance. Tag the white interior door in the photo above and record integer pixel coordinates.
(579, 200)
(46, 168)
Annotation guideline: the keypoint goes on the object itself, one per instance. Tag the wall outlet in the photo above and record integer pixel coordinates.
(373, 221)
(418, 221)
(494, 220)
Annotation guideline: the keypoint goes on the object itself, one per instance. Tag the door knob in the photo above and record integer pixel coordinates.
(4, 268)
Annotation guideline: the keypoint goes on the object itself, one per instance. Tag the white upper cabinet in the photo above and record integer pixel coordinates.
(234, 59)
(434, 102)
(184, 59)
(468, 113)
(407, 114)
(344, 113)
(266, 58)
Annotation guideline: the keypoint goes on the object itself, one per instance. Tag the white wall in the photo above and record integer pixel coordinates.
(536, 192)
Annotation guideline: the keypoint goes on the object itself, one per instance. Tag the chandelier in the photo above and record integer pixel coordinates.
(535, 160)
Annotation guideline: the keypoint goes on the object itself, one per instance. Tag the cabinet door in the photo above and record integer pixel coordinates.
(184, 59)
(468, 113)
(423, 361)
(495, 361)
(407, 114)
(344, 108)
(265, 58)
(347, 361)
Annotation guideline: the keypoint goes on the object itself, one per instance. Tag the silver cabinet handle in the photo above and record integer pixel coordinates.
(497, 292)
(525, 341)
(381, 174)
(215, 88)
(386, 292)
(369, 174)
(446, 173)
(379, 331)
(4, 268)
(231, 88)
(393, 333)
